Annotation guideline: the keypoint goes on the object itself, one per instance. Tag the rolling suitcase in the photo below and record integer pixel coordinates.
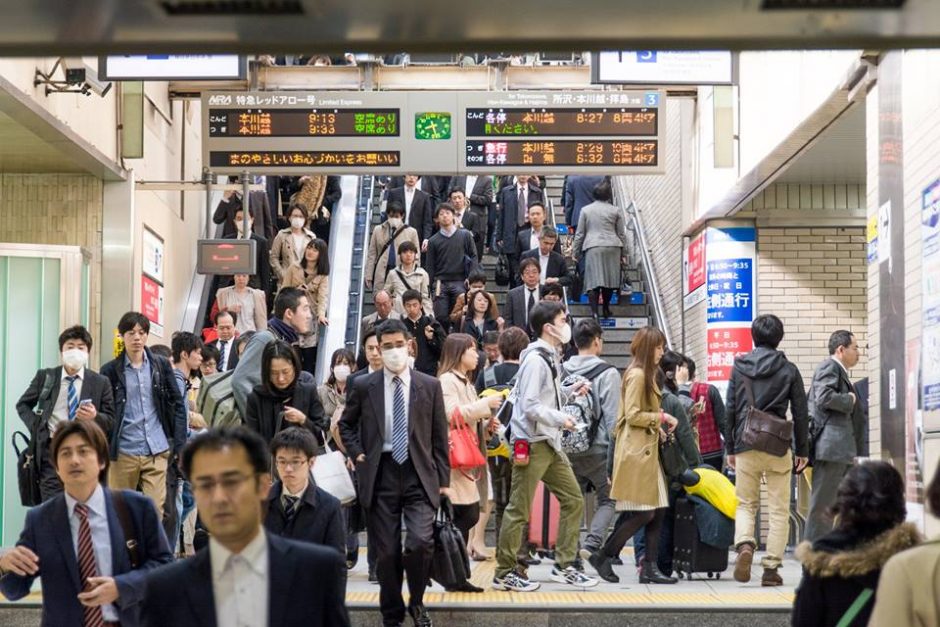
(691, 554)
(543, 519)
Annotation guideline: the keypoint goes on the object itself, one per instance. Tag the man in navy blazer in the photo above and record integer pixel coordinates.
(245, 576)
(77, 591)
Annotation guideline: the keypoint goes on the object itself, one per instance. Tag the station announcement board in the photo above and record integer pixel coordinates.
(617, 132)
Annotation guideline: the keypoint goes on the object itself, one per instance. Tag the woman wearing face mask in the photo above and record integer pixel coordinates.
(290, 243)
(459, 358)
(382, 257)
(312, 275)
(281, 400)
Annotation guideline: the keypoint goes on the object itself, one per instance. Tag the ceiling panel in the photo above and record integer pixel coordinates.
(837, 155)
(24, 152)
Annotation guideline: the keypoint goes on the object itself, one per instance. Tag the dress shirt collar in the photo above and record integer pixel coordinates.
(95, 502)
(286, 492)
(255, 554)
(405, 376)
(80, 375)
(835, 359)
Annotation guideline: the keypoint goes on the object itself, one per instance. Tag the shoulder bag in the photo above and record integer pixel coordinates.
(764, 431)
(465, 454)
(127, 526)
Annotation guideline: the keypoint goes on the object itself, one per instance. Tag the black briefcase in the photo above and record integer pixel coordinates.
(27, 470)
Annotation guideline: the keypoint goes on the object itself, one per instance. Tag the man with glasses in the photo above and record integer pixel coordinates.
(245, 577)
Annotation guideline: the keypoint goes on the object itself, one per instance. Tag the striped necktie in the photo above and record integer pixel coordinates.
(72, 396)
(399, 423)
(87, 565)
(290, 507)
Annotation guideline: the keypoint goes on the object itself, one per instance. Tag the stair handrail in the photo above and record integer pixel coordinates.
(366, 193)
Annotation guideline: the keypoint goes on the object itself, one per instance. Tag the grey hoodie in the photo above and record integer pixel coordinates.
(537, 398)
(605, 388)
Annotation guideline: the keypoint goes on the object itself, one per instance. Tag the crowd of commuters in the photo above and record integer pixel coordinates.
(127, 454)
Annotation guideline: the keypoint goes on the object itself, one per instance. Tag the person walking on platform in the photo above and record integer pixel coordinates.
(839, 429)
(537, 422)
(150, 416)
(450, 260)
(514, 202)
(637, 482)
(289, 244)
(59, 395)
(78, 542)
(466, 219)
(313, 277)
(382, 257)
(764, 380)
(601, 239)
(530, 236)
(479, 319)
(409, 276)
(245, 576)
(395, 429)
(708, 414)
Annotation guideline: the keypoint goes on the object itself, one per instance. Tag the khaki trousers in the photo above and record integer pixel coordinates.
(141, 473)
(750, 466)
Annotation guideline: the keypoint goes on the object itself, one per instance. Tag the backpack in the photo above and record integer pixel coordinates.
(216, 400)
(585, 409)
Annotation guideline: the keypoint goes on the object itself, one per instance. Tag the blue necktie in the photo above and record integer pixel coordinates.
(399, 423)
(221, 363)
(72, 396)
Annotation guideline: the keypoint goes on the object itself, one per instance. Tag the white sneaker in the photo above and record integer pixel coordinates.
(572, 576)
(515, 582)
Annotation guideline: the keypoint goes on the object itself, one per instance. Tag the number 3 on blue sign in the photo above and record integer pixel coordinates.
(652, 99)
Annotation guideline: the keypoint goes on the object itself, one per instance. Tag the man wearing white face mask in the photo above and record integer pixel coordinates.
(60, 394)
(383, 246)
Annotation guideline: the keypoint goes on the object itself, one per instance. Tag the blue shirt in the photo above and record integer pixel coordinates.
(141, 431)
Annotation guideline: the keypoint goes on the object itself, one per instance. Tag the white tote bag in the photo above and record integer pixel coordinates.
(330, 473)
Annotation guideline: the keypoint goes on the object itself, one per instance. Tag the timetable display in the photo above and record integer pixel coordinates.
(583, 122)
(324, 159)
(565, 153)
(304, 122)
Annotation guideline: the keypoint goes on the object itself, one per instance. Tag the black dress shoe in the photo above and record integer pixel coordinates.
(464, 587)
(616, 561)
(419, 614)
(373, 578)
(601, 564)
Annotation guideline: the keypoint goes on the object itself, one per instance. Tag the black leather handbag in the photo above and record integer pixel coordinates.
(27, 470)
(670, 457)
(450, 566)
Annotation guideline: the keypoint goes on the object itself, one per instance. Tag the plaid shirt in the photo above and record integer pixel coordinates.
(709, 439)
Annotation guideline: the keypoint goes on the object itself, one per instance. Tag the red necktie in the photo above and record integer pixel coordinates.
(87, 565)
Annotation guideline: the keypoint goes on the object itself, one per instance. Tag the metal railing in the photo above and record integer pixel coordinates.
(360, 241)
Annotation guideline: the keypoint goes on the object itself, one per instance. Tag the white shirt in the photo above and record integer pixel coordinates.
(100, 538)
(409, 198)
(543, 262)
(240, 583)
(534, 239)
(390, 403)
(60, 413)
(840, 363)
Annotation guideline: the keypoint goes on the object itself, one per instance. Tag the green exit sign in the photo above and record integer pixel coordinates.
(433, 125)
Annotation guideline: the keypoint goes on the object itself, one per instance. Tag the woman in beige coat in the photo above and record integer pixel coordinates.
(247, 303)
(459, 359)
(289, 244)
(637, 482)
(313, 277)
(909, 588)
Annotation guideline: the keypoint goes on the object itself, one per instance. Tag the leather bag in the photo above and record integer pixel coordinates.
(764, 431)
(27, 470)
(465, 454)
(670, 457)
(450, 566)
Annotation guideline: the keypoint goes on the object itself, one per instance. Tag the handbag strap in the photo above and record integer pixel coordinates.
(857, 605)
(127, 525)
(24, 437)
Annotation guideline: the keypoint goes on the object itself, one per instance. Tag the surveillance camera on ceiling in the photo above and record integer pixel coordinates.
(75, 66)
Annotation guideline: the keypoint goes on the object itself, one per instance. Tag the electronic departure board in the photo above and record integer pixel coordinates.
(304, 122)
(565, 153)
(252, 159)
(584, 122)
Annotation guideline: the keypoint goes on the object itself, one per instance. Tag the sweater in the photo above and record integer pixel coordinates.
(444, 259)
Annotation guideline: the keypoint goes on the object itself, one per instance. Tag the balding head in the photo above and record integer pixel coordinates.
(383, 303)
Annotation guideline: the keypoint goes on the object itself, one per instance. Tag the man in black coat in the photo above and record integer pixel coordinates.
(427, 332)
(395, 428)
(479, 193)
(514, 203)
(60, 394)
(552, 266)
(232, 202)
(245, 574)
(419, 207)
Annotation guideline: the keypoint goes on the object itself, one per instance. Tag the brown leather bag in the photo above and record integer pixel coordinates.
(764, 431)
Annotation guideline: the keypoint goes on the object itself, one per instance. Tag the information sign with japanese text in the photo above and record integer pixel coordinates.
(151, 304)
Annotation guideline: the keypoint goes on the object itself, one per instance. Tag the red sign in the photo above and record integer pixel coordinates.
(723, 346)
(151, 300)
(695, 270)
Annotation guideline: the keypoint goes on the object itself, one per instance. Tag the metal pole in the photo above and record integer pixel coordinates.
(208, 180)
(246, 194)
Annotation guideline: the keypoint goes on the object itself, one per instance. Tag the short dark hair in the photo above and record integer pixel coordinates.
(370, 332)
(219, 438)
(131, 319)
(225, 312)
(287, 298)
(390, 327)
(603, 191)
(512, 342)
(162, 350)
(586, 331)
(251, 211)
(767, 330)
(870, 499)
(210, 353)
(529, 262)
(394, 207)
(184, 342)
(410, 295)
(278, 349)
(89, 431)
(445, 206)
(553, 289)
(491, 337)
(477, 276)
(932, 495)
(839, 338)
(544, 312)
(297, 439)
(77, 332)
(407, 247)
(454, 190)
(548, 232)
(535, 203)
(690, 363)
(243, 339)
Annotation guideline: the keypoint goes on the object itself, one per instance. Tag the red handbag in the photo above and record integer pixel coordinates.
(464, 445)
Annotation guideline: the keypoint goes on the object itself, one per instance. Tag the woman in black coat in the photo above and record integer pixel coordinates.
(479, 319)
(281, 400)
(841, 569)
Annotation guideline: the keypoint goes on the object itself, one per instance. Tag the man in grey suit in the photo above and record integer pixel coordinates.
(520, 300)
(838, 428)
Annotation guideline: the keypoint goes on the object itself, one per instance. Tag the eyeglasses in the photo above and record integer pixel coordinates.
(229, 484)
(290, 463)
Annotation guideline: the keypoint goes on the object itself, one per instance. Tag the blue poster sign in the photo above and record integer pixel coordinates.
(730, 290)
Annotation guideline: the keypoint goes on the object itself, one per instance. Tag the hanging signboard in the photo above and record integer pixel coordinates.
(693, 271)
(664, 67)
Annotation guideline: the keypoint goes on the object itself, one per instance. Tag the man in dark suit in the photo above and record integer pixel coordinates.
(468, 219)
(78, 542)
(419, 207)
(479, 194)
(245, 576)
(225, 344)
(261, 278)
(395, 428)
(528, 238)
(60, 394)
(552, 266)
(578, 192)
(232, 202)
(514, 202)
(520, 300)
(839, 428)
(437, 187)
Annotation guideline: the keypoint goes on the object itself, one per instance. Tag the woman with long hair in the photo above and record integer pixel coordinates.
(289, 244)
(842, 568)
(637, 482)
(479, 319)
(312, 275)
(459, 358)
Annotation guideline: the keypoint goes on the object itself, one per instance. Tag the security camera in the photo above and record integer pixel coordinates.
(75, 67)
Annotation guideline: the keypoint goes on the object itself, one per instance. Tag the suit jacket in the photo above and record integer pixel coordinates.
(362, 429)
(369, 321)
(232, 354)
(305, 589)
(42, 396)
(437, 187)
(841, 422)
(263, 224)
(508, 214)
(524, 241)
(514, 309)
(420, 218)
(601, 224)
(171, 410)
(318, 520)
(47, 534)
(473, 223)
(557, 268)
(480, 197)
(578, 192)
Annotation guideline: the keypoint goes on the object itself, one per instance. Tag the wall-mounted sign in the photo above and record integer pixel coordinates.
(169, 67)
(152, 304)
(664, 67)
(152, 252)
(226, 256)
(693, 271)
